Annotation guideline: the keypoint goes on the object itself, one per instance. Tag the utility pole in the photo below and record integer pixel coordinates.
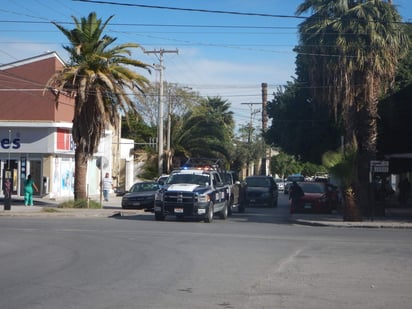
(169, 119)
(249, 139)
(160, 67)
(169, 129)
(171, 99)
(266, 157)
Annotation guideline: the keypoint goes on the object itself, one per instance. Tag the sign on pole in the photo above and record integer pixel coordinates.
(379, 166)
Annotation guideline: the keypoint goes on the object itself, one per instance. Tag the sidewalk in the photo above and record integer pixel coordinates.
(395, 217)
(45, 207)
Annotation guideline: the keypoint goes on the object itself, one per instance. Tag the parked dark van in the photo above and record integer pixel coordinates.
(260, 191)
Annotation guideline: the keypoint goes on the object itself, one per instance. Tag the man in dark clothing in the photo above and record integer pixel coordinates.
(404, 190)
(295, 193)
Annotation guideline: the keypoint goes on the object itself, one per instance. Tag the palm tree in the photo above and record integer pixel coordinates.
(98, 75)
(206, 131)
(217, 108)
(352, 49)
(343, 165)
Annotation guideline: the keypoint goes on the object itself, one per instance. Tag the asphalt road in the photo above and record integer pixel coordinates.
(252, 260)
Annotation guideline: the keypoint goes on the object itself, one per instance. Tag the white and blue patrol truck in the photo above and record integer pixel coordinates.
(194, 191)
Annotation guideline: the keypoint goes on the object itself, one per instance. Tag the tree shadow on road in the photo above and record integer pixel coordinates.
(253, 214)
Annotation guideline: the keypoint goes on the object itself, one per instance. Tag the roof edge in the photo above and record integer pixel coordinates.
(34, 124)
(47, 55)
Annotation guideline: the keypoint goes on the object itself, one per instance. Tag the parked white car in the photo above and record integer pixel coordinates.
(280, 183)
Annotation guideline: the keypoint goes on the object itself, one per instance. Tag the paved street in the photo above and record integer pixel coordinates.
(258, 259)
(44, 207)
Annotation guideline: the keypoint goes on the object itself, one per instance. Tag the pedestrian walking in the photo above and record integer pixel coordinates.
(29, 185)
(295, 193)
(7, 194)
(106, 185)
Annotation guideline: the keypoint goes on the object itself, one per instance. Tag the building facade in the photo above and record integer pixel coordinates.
(36, 133)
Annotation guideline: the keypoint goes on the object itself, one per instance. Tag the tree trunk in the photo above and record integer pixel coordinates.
(80, 174)
(366, 136)
(351, 210)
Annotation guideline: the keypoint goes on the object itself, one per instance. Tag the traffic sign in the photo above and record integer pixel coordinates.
(379, 166)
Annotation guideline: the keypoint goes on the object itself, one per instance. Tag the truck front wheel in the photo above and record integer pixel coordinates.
(223, 214)
(230, 207)
(209, 215)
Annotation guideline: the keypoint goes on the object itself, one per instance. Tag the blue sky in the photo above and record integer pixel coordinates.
(227, 55)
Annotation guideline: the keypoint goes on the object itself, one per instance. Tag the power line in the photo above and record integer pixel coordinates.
(157, 25)
(222, 11)
(191, 10)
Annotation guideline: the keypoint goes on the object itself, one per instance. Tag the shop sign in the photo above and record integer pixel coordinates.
(6, 143)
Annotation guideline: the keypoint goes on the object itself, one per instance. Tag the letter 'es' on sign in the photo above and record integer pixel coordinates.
(5, 143)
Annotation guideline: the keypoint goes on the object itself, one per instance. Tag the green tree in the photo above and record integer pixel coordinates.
(135, 128)
(404, 71)
(99, 75)
(216, 107)
(249, 147)
(300, 127)
(284, 164)
(310, 169)
(352, 49)
(206, 131)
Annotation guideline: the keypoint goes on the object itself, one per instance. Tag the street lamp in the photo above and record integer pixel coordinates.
(7, 181)
(9, 149)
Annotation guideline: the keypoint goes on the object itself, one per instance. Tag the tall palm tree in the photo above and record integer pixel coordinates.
(206, 131)
(352, 49)
(219, 109)
(100, 77)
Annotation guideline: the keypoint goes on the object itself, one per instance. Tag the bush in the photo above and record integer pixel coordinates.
(80, 204)
(49, 209)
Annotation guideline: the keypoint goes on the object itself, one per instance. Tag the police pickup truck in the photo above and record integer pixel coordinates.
(193, 192)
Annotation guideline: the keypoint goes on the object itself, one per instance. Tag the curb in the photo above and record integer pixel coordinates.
(349, 224)
(46, 212)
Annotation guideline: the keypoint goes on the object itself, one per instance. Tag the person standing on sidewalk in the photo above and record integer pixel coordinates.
(107, 185)
(29, 185)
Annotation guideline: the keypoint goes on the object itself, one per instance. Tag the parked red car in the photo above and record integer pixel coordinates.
(320, 197)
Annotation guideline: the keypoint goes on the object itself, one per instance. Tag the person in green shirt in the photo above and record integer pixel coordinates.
(29, 185)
